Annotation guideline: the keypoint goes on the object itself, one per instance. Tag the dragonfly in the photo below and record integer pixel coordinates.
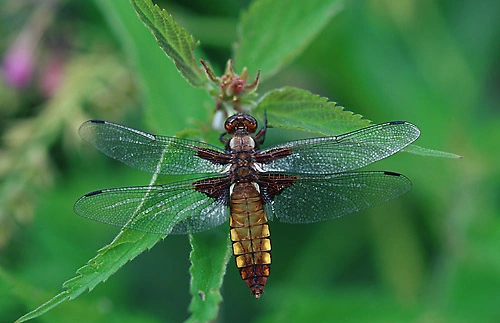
(302, 181)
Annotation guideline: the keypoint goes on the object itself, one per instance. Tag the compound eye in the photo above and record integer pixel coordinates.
(230, 125)
(251, 125)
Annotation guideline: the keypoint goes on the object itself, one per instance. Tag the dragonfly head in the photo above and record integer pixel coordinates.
(240, 122)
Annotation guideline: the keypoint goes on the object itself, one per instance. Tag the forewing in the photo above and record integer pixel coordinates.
(152, 153)
(310, 198)
(328, 155)
(161, 209)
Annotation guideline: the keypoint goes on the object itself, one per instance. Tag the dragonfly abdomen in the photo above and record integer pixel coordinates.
(250, 236)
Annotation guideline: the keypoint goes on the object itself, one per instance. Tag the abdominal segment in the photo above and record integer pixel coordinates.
(250, 236)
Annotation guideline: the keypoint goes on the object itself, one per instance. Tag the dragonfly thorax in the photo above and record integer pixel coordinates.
(242, 143)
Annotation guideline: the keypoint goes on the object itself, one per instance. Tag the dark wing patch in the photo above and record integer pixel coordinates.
(273, 184)
(216, 188)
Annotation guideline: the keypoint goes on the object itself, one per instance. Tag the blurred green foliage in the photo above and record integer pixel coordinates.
(430, 256)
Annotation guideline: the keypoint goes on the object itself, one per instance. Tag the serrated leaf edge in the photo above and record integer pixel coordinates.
(189, 68)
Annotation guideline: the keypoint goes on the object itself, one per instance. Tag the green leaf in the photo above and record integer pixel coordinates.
(274, 32)
(292, 108)
(56, 300)
(417, 150)
(209, 256)
(175, 41)
(125, 247)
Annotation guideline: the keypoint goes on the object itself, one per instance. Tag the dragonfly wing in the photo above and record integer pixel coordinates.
(152, 153)
(310, 198)
(328, 155)
(161, 209)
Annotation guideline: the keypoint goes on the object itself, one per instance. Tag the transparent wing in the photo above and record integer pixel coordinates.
(161, 209)
(151, 153)
(328, 155)
(318, 198)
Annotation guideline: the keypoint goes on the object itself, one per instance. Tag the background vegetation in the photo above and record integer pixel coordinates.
(430, 256)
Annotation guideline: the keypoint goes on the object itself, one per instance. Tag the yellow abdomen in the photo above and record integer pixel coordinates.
(250, 236)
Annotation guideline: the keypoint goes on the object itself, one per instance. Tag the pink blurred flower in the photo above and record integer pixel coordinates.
(18, 62)
(51, 76)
